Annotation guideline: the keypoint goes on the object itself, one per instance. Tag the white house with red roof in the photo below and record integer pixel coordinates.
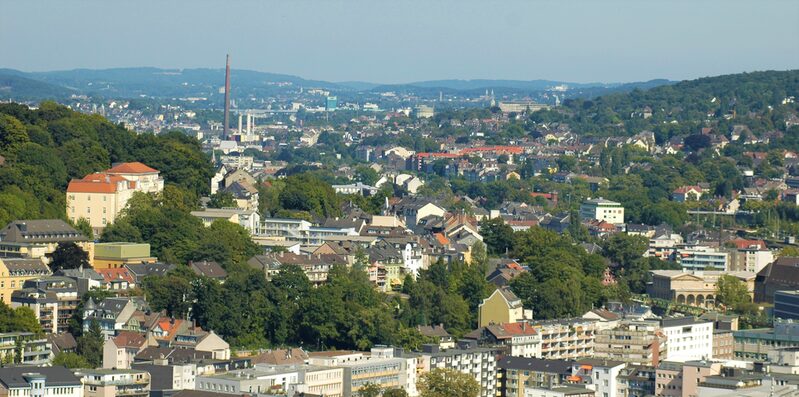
(686, 193)
(100, 197)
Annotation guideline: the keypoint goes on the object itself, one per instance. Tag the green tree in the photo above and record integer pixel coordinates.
(69, 256)
(90, 345)
(395, 393)
(366, 175)
(83, 226)
(732, 292)
(222, 200)
(71, 360)
(497, 235)
(12, 134)
(445, 382)
(21, 319)
(370, 390)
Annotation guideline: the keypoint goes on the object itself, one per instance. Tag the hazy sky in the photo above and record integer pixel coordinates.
(403, 41)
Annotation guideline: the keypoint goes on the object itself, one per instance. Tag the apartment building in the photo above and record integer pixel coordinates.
(688, 338)
(53, 299)
(513, 339)
(300, 231)
(566, 338)
(599, 375)
(114, 382)
(15, 271)
(515, 374)
(101, 196)
(248, 219)
(603, 210)
(502, 306)
(637, 381)
(39, 382)
(382, 366)
(35, 350)
(261, 379)
(633, 342)
(466, 358)
(756, 344)
(39, 237)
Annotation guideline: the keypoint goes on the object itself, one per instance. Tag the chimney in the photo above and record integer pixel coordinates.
(226, 127)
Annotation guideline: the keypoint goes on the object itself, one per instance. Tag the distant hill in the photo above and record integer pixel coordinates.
(14, 85)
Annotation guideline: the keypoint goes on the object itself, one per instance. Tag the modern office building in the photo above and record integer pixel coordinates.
(603, 210)
(688, 338)
(39, 382)
(786, 304)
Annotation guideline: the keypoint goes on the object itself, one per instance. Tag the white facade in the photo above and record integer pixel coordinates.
(603, 210)
(688, 339)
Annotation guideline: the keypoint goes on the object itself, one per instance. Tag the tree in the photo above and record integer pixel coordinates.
(732, 292)
(366, 175)
(21, 319)
(12, 134)
(370, 390)
(90, 345)
(445, 382)
(497, 236)
(83, 226)
(69, 256)
(71, 360)
(222, 200)
(395, 393)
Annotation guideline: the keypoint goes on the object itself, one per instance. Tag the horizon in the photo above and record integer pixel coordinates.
(614, 41)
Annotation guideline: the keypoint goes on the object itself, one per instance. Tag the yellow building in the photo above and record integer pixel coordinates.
(503, 306)
(37, 238)
(100, 197)
(14, 272)
(116, 255)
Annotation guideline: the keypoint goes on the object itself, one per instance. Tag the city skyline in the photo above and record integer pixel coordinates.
(399, 43)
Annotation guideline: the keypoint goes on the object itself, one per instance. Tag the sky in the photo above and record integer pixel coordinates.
(409, 40)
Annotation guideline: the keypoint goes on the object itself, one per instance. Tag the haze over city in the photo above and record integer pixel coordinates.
(405, 41)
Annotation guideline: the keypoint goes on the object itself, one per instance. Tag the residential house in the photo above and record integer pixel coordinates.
(37, 238)
(688, 338)
(502, 306)
(25, 349)
(54, 300)
(114, 382)
(39, 381)
(15, 271)
(120, 351)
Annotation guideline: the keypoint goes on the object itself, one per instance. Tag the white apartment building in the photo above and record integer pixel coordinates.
(468, 359)
(300, 231)
(249, 219)
(600, 375)
(688, 339)
(698, 258)
(603, 210)
(39, 382)
(381, 367)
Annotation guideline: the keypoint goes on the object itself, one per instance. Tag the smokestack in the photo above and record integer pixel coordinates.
(226, 127)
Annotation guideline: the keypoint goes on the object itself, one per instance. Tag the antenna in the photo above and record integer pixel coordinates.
(226, 128)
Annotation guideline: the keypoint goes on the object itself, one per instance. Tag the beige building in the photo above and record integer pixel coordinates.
(502, 306)
(100, 197)
(115, 382)
(696, 288)
(35, 238)
(117, 255)
(634, 342)
(14, 272)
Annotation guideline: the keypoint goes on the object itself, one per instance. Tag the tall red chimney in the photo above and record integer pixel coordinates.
(225, 128)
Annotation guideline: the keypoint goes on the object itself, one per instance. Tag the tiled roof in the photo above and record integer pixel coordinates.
(97, 183)
(131, 168)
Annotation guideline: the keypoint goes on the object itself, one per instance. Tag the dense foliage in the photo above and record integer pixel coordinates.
(46, 147)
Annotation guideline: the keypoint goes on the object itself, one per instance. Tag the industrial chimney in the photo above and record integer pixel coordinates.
(226, 126)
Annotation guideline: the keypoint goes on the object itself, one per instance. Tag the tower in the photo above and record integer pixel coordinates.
(226, 126)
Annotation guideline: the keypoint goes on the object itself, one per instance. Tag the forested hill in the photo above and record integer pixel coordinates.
(43, 149)
(753, 99)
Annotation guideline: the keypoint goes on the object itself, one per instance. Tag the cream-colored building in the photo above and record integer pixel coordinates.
(100, 197)
(115, 382)
(14, 272)
(697, 288)
(117, 255)
(502, 306)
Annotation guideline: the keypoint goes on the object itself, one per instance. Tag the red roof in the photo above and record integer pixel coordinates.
(745, 244)
(131, 168)
(498, 149)
(95, 183)
(519, 329)
(129, 339)
(115, 274)
(443, 240)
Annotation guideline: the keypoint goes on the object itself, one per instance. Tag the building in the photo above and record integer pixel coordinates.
(699, 258)
(381, 367)
(786, 304)
(120, 351)
(468, 359)
(633, 342)
(261, 379)
(331, 103)
(559, 391)
(35, 350)
(520, 106)
(515, 374)
(502, 306)
(167, 378)
(53, 299)
(247, 218)
(780, 275)
(697, 288)
(567, 338)
(603, 210)
(115, 382)
(749, 255)
(100, 197)
(637, 381)
(39, 382)
(111, 314)
(300, 231)
(756, 344)
(37, 238)
(14, 272)
(424, 111)
(117, 255)
(688, 338)
(514, 339)
(686, 193)
(598, 374)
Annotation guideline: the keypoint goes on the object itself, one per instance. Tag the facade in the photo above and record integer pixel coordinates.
(100, 197)
(53, 299)
(502, 306)
(261, 379)
(468, 359)
(117, 255)
(115, 382)
(786, 304)
(247, 218)
(756, 344)
(567, 338)
(559, 391)
(780, 275)
(603, 210)
(39, 382)
(37, 238)
(515, 374)
(381, 367)
(688, 339)
(599, 375)
(36, 351)
(300, 231)
(696, 288)
(120, 351)
(633, 342)
(15, 271)
(637, 381)
(699, 258)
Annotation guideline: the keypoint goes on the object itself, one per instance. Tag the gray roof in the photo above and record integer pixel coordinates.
(681, 321)
(19, 266)
(40, 231)
(536, 364)
(14, 377)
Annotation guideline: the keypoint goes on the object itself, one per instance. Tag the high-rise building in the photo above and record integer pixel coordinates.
(331, 104)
